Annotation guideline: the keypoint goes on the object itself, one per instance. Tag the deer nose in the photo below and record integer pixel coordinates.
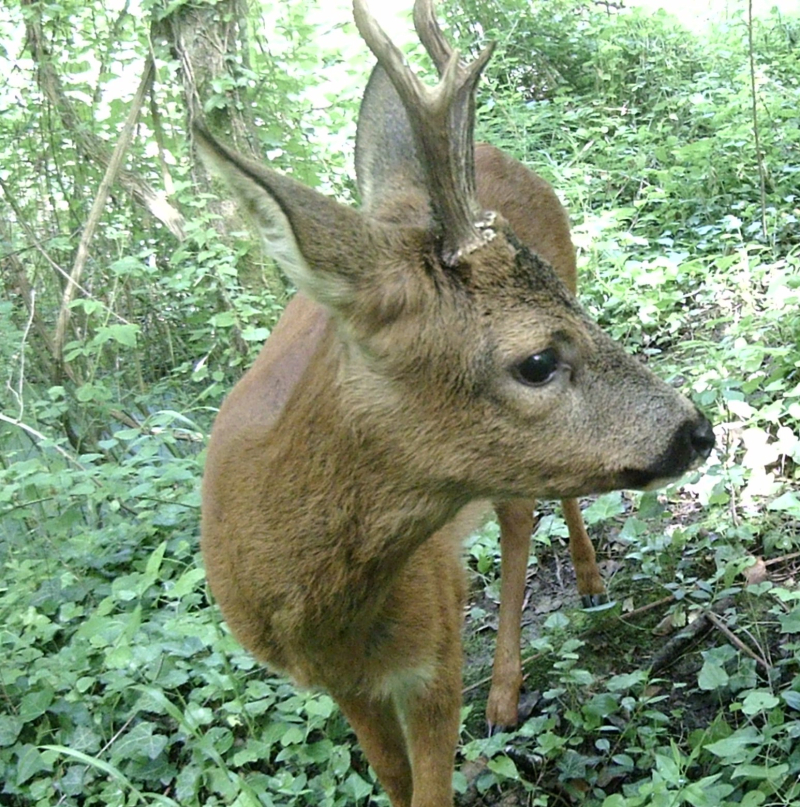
(702, 437)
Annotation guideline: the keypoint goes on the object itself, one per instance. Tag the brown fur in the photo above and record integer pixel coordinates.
(540, 221)
(346, 467)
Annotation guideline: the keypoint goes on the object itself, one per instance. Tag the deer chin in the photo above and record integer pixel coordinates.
(639, 480)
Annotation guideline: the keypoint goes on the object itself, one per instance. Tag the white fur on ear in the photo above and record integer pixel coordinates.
(266, 214)
(306, 233)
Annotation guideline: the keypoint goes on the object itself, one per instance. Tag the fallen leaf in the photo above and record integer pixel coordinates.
(547, 605)
(666, 626)
(757, 573)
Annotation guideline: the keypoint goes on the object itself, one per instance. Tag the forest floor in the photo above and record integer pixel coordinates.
(642, 631)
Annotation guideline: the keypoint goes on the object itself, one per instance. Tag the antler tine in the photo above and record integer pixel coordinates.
(430, 34)
(442, 121)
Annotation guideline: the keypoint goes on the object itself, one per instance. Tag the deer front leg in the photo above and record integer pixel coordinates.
(380, 734)
(516, 525)
(590, 583)
(432, 718)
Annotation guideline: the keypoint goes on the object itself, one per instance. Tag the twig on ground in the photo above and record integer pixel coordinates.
(782, 559)
(649, 607)
(679, 643)
(735, 640)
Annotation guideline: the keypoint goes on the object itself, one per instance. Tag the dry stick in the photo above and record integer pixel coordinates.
(43, 438)
(97, 209)
(37, 435)
(735, 640)
(781, 559)
(648, 607)
(21, 221)
(678, 643)
(177, 433)
(88, 144)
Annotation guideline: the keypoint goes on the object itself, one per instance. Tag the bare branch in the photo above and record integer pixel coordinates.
(39, 437)
(126, 136)
(88, 144)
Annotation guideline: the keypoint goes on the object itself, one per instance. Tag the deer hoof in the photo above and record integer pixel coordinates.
(594, 600)
(525, 708)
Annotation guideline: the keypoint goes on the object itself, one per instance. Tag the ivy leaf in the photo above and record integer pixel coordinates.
(10, 728)
(30, 762)
(736, 748)
(759, 700)
(35, 704)
(122, 334)
(787, 503)
(503, 766)
(792, 699)
(712, 676)
(790, 623)
(141, 742)
(606, 507)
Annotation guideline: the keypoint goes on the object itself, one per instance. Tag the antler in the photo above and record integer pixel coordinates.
(430, 34)
(442, 119)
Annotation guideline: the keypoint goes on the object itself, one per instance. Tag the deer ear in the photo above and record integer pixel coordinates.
(312, 237)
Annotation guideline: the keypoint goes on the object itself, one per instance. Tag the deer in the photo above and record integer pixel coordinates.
(433, 363)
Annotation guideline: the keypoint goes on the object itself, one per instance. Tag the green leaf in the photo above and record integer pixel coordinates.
(88, 305)
(357, 788)
(320, 705)
(154, 562)
(186, 583)
(225, 319)
(759, 700)
(91, 392)
(736, 747)
(141, 742)
(712, 676)
(790, 623)
(10, 727)
(792, 699)
(788, 503)
(252, 334)
(35, 704)
(625, 681)
(601, 705)
(606, 507)
(122, 334)
(771, 773)
(114, 773)
(460, 782)
(503, 766)
(753, 798)
(293, 736)
(29, 762)
(246, 799)
(669, 769)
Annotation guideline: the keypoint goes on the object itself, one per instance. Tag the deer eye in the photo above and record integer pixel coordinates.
(537, 369)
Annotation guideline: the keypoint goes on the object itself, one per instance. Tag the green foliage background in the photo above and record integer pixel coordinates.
(119, 683)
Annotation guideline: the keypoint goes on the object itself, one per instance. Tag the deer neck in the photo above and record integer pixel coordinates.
(354, 513)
